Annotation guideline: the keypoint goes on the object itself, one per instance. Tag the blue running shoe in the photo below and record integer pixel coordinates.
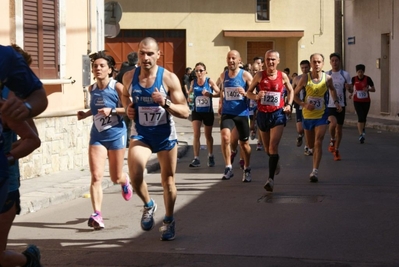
(32, 254)
(228, 173)
(167, 231)
(147, 220)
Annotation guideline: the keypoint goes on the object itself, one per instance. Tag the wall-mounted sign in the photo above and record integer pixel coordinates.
(351, 40)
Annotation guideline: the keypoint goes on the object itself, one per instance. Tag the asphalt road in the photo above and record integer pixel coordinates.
(349, 218)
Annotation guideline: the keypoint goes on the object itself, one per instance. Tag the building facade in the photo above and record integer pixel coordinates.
(191, 31)
(371, 38)
(61, 33)
(58, 34)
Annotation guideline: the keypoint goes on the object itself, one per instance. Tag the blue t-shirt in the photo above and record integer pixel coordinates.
(9, 137)
(19, 78)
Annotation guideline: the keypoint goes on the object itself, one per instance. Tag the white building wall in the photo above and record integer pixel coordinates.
(367, 20)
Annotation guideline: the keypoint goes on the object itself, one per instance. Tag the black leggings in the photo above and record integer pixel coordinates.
(362, 109)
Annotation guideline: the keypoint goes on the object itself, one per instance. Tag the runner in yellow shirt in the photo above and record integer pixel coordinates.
(318, 86)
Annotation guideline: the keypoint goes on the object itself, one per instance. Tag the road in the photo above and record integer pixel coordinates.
(349, 218)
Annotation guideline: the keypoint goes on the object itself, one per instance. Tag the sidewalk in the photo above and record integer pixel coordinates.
(41, 192)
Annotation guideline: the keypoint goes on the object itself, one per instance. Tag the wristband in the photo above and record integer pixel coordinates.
(113, 112)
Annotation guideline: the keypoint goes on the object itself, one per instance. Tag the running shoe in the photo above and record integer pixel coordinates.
(127, 190)
(253, 135)
(147, 220)
(269, 185)
(241, 164)
(361, 139)
(308, 152)
(96, 221)
(313, 177)
(331, 146)
(211, 161)
(167, 231)
(259, 147)
(232, 156)
(246, 176)
(228, 173)
(337, 156)
(32, 253)
(195, 163)
(299, 140)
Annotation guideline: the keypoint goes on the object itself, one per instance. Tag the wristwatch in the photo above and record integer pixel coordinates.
(167, 103)
(29, 107)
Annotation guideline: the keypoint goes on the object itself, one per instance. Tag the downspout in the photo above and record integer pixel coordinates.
(393, 19)
(321, 24)
(89, 46)
(343, 33)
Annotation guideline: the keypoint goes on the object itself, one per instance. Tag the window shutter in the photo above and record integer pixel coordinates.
(41, 36)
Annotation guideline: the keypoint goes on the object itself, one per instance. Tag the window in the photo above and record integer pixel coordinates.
(41, 36)
(262, 10)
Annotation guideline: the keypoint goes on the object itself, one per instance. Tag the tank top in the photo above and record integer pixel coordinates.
(359, 94)
(274, 97)
(106, 128)
(233, 102)
(151, 120)
(202, 103)
(317, 94)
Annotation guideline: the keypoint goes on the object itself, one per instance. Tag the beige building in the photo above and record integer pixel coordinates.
(204, 31)
(371, 38)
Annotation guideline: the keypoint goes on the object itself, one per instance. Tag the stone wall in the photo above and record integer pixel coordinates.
(64, 146)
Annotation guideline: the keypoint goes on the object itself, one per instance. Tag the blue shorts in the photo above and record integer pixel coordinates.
(13, 197)
(268, 120)
(110, 145)
(156, 145)
(310, 124)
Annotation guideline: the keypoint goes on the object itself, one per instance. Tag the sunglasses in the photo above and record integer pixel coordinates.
(199, 71)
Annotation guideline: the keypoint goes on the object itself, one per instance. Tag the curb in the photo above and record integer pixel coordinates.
(65, 186)
(376, 125)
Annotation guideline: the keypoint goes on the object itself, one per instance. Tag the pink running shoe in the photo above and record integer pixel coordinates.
(127, 190)
(96, 221)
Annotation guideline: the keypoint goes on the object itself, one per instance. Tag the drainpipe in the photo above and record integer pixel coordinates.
(321, 24)
(89, 46)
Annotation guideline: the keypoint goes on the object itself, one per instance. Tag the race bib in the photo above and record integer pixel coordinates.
(271, 99)
(103, 123)
(202, 101)
(362, 94)
(232, 93)
(152, 116)
(318, 102)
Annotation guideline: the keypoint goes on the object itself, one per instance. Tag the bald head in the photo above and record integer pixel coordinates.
(149, 41)
(233, 53)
